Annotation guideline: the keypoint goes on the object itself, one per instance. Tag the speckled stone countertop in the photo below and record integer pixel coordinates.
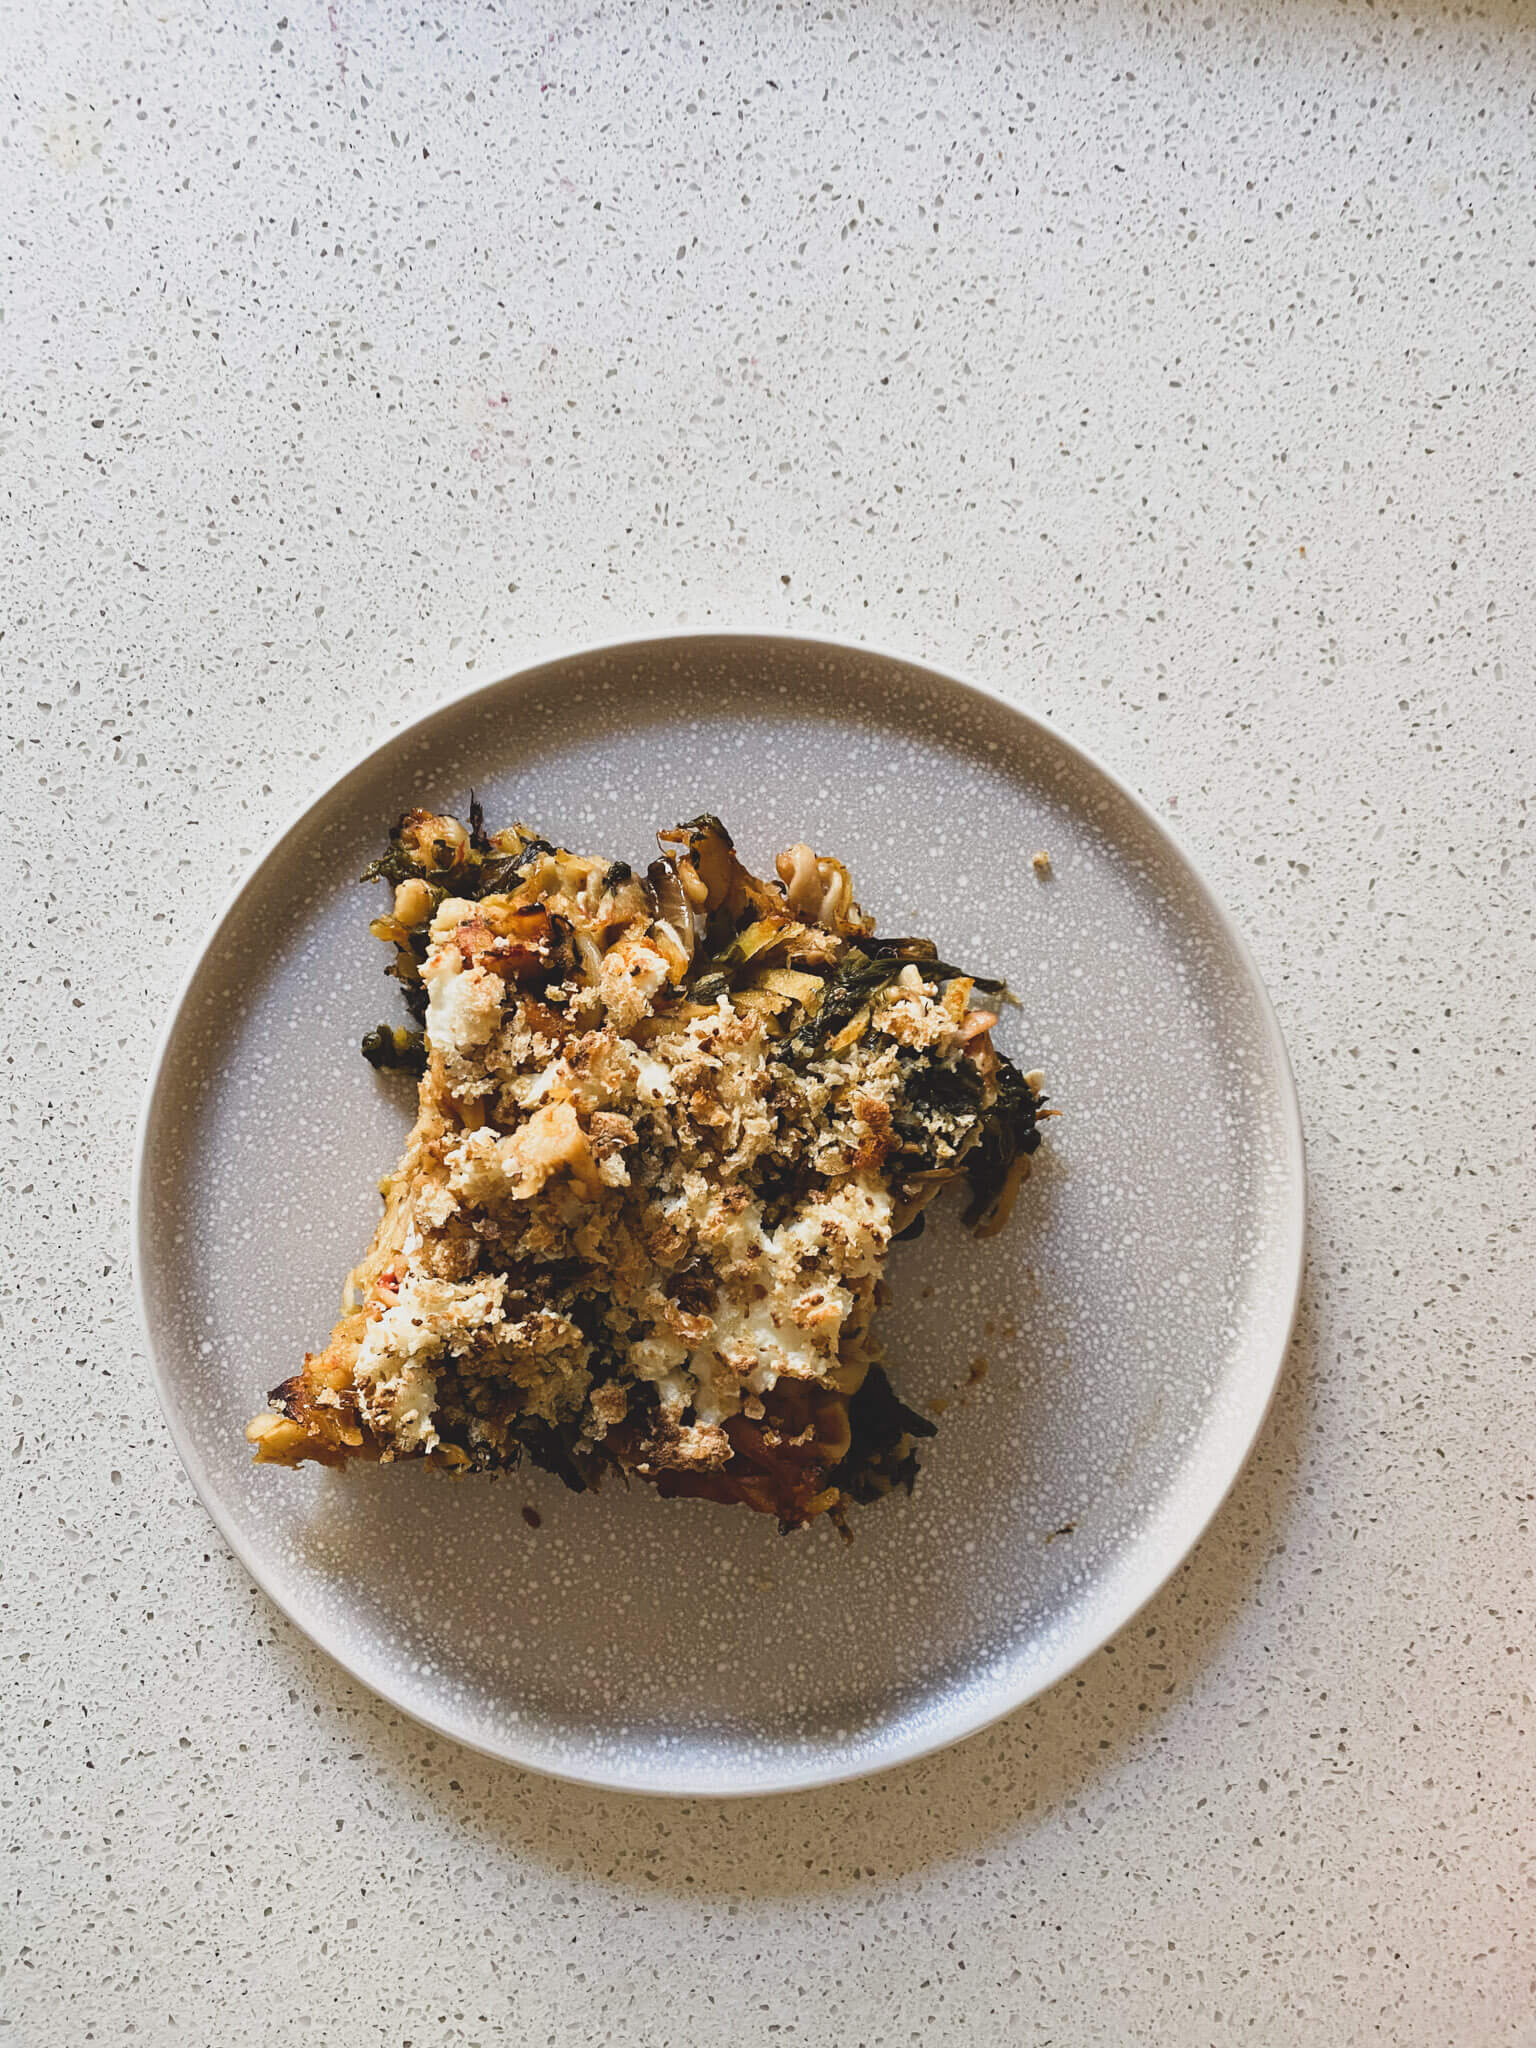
(1167, 369)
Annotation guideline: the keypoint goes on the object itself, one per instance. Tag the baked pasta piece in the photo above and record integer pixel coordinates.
(669, 1125)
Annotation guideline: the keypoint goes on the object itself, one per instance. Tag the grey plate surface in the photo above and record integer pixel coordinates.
(1104, 1364)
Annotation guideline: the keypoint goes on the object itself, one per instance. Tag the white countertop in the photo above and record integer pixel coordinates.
(1167, 369)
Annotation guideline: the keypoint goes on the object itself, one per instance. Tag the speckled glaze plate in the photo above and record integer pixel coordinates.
(1102, 1367)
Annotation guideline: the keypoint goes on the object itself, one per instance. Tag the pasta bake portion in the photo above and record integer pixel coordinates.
(669, 1124)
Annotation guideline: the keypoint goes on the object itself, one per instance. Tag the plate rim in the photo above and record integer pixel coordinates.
(1144, 1582)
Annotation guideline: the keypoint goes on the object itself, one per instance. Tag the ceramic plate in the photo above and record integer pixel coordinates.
(1102, 1367)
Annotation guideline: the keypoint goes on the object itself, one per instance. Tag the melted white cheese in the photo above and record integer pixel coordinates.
(397, 1389)
(464, 1003)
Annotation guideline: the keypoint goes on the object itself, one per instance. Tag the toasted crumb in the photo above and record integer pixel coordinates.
(667, 1130)
(1041, 863)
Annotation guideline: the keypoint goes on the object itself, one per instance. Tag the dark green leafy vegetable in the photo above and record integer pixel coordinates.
(1000, 1157)
(719, 932)
(849, 989)
(406, 969)
(551, 1453)
(923, 954)
(411, 854)
(938, 1108)
(880, 1454)
(500, 872)
(481, 872)
(392, 1049)
(863, 971)
(394, 865)
(706, 821)
(931, 1085)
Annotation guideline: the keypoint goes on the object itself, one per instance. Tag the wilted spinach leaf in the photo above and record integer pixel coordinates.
(392, 1050)
(549, 1451)
(1008, 1134)
(923, 954)
(880, 1425)
(858, 977)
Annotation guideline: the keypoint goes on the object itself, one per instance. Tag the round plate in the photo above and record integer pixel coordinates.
(1102, 1366)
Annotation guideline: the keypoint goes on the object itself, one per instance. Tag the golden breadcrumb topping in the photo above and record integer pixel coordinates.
(668, 1125)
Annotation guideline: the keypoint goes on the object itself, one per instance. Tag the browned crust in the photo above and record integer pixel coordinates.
(779, 1454)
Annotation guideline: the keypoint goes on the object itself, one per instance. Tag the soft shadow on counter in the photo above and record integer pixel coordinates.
(1046, 1755)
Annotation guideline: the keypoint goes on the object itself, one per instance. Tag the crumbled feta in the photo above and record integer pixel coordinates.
(397, 1389)
(463, 1003)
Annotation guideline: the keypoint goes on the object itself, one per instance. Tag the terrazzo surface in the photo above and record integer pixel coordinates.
(1165, 370)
